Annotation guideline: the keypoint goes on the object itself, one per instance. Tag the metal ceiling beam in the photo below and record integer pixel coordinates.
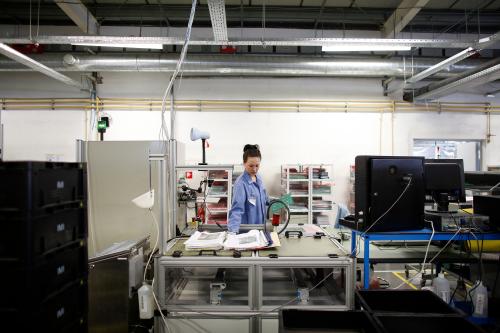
(428, 43)
(27, 61)
(486, 73)
(442, 65)
(217, 10)
(405, 12)
(482, 43)
(486, 42)
(82, 17)
(482, 77)
(492, 93)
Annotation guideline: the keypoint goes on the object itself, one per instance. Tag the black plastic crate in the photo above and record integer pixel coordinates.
(403, 301)
(418, 323)
(47, 277)
(78, 326)
(58, 313)
(24, 238)
(295, 320)
(36, 186)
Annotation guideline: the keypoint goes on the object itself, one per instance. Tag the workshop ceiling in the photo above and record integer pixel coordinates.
(466, 21)
(439, 16)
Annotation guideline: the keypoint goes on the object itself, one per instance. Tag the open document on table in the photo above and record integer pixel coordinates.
(206, 240)
(252, 240)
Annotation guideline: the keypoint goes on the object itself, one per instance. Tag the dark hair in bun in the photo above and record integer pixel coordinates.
(251, 151)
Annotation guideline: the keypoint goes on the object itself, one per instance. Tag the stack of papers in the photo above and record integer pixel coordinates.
(206, 240)
(254, 239)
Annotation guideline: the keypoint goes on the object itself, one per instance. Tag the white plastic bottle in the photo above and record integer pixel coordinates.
(145, 296)
(480, 300)
(442, 287)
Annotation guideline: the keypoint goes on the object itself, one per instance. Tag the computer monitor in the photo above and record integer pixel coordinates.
(483, 181)
(389, 193)
(444, 182)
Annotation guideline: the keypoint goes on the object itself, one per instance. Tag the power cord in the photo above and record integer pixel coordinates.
(422, 268)
(355, 252)
(153, 250)
(433, 258)
(278, 201)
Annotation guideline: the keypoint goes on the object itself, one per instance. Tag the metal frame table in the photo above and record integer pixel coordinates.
(414, 235)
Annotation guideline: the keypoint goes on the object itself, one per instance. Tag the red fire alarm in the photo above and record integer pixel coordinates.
(227, 49)
(189, 174)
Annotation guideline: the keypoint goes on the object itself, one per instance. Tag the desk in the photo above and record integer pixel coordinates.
(247, 291)
(417, 235)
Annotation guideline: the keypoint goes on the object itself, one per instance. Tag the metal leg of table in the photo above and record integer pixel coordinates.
(366, 262)
(353, 243)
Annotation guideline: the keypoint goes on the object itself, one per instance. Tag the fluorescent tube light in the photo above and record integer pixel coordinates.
(347, 48)
(27, 61)
(131, 45)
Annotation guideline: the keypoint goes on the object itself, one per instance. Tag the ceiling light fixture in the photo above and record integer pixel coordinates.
(11, 53)
(374, 47)
(123, 45)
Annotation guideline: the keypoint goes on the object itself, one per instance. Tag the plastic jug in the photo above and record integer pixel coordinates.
(442, 287)
(480, 300)
(145, 296)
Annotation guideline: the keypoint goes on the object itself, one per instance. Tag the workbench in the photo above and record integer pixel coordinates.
(243, 291)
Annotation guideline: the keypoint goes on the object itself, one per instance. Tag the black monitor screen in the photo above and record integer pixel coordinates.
(444, 181)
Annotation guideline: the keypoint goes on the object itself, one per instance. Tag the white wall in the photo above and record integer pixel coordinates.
(284, 137)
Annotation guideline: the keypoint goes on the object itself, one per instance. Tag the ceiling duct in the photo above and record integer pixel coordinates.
(242, 65)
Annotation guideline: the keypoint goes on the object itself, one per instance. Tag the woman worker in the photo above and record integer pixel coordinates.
(249, 195)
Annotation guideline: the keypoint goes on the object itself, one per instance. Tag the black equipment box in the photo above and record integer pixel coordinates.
(60, 312)
(402, 301)
(26, 237)
(37, 186)
(389, 193)
(451, 221)
(47, 276)
(488, 205)
(428, 323)
(297, 321)
(43, 249)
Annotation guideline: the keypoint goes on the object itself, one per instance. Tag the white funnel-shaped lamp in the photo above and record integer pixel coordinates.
(145, 200)
(196, 134)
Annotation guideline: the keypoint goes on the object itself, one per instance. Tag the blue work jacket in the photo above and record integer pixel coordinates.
(249, 202)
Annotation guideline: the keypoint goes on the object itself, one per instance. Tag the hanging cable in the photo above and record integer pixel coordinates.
(30, 22)
(38, 20)
(263, 22)
(164, 129)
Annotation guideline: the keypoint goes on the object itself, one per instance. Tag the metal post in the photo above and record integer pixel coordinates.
(172, 113)
(1, 138)
(172, 189)
(366, 262)
(353, 243)
(162, 198)
(81, 151)
(1, 131)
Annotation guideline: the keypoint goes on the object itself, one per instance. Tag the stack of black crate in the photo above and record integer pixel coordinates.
(43, 247)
